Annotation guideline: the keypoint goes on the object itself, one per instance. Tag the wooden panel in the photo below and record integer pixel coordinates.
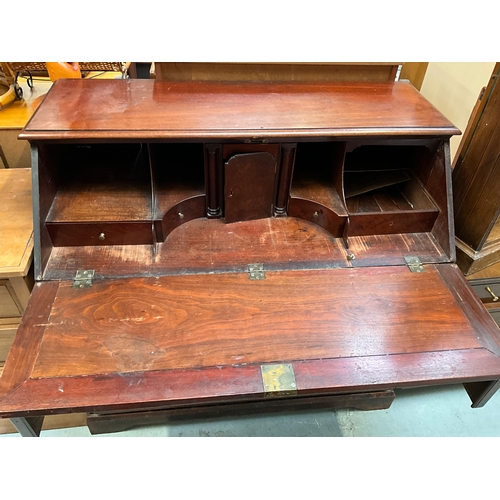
(220, 385)
(475, 179)
(438, 186)
(296, 72)
(192, 321)
(100, 203)
(142, 343)
(471, 262)
(249, 185)
(391, 222)
(415, 72)
(203, 245)
(408, 196)
(148, 109)
(16, 222)
(360, 182)
(44, 166)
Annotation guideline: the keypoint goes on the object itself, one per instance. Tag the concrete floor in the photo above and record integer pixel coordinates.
(438, 411)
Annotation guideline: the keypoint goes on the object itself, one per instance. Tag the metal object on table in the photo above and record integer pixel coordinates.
(492, 293)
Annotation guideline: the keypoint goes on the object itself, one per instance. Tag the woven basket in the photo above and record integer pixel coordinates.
(39, 68)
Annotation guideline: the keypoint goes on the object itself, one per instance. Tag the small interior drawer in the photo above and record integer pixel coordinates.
(102, 233)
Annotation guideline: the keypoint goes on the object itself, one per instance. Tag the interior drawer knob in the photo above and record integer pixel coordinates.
(490, 291)
(102, 236)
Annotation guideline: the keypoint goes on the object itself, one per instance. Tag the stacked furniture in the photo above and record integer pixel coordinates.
(16, 252)
(476, 185)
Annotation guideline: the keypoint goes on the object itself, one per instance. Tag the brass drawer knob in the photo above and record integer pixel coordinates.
(102, 236)
(490, 291)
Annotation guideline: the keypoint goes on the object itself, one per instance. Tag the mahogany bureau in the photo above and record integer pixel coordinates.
(204, 246)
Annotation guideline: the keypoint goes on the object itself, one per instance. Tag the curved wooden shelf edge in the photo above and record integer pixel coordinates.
(317, 213)
(185, 211)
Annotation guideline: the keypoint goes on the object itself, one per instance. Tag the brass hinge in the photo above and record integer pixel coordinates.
(256, 271)
(278, 380)
(83, 278)
(415, 265)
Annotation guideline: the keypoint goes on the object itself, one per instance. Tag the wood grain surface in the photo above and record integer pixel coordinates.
(249, 187)
(180, 323)
(476, 182)
(216, 385)
(16, 222)
(135, 109)
(276, 71)
(169, 341)
(196, 321)
(203, 245)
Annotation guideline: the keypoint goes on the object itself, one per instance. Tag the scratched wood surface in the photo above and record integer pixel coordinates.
(168, 323)
(173, 341)
(203, 245)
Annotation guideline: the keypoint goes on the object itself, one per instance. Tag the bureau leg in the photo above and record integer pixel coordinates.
(481, 392)
(28, 426)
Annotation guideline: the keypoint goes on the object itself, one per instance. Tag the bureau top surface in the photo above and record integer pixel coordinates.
(148, 109)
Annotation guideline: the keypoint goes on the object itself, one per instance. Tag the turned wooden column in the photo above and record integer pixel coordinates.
(213, 179)
(285, 178)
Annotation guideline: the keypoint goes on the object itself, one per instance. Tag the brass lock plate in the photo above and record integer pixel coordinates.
(278, 380)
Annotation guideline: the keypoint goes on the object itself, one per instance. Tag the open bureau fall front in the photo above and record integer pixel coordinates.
(204, 246)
